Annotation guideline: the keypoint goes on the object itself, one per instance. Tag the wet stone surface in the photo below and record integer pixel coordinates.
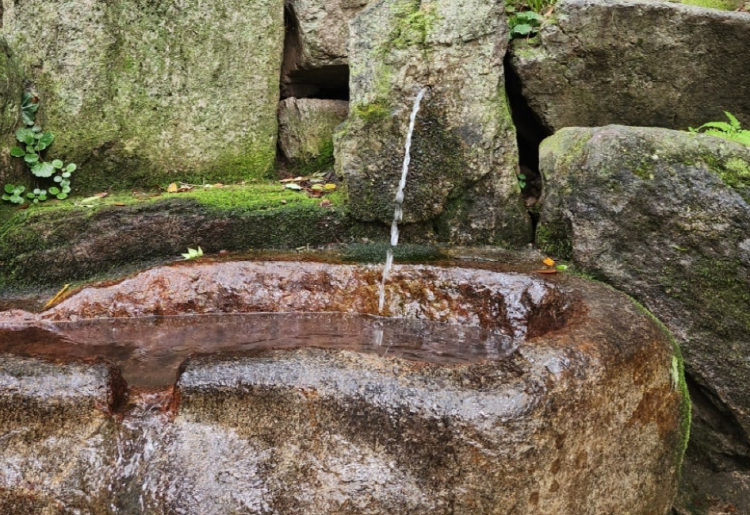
(582, 404)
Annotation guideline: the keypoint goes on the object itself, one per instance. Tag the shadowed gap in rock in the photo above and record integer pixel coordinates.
(530, 132)
(327, 82)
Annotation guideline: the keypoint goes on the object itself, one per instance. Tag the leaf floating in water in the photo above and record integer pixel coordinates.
(548, 261)
(546, 271)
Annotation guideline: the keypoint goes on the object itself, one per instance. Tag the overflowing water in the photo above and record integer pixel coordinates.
(398, 213)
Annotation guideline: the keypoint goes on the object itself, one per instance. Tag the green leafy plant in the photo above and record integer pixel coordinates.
(29, 107)
(732, 130)
(521, 180)
(525, 24)
(34, 142)
(193, 254)
(14, 194)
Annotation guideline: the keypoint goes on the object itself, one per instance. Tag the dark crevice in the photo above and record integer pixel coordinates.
(529, 132)
(717, 437)
(327, 82)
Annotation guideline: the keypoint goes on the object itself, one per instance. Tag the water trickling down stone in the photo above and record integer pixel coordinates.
(398, 213)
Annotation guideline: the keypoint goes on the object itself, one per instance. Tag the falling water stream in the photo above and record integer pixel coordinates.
(398, 213)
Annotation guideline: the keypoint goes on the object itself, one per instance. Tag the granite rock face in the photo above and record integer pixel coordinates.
(138, 92)
(664, 216)
(316, 56)
(313, 430)
(631, 62)
(323, 30)
(11, 91)
(57, 436)
(464, 156)
(306, 127)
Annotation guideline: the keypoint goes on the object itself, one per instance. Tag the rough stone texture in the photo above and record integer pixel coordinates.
(459, 296)
(637, 63)
(51, 245)
(464, 157)
(322, 28)
(56, 436)
(664, 216)
(335, 431)
(11, 91)
(306, 127)
(138, 92)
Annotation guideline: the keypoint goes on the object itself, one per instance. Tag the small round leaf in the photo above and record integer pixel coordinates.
(54, 190)
(71, 168)
(57, 164)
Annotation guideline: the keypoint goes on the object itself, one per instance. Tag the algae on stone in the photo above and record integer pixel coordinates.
(306, 127)
(139, 93)
(664, 216)
(464, 159)
(55, 243)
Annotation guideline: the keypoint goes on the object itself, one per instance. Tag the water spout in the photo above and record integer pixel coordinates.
(398, 213)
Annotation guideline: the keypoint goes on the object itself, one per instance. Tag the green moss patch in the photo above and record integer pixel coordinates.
(76, 240)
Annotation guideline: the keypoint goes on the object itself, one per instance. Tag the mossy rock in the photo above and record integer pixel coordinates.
(665, 216)
(464, 158)
(159, 91)
(70, 241)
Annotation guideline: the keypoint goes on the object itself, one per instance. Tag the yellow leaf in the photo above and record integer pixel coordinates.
(548, 261)
(57, 297)
(330, 187)
(172, 188)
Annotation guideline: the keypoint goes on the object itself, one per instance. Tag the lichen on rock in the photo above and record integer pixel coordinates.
(664, 216)
(464, 158)
(139, 92)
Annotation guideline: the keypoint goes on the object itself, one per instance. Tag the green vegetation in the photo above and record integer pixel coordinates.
(371, 112)
(33, 144)
(732, 131)
(413, 22)
(525, 24)
(193, 254)
(527, 17)
(723, 5)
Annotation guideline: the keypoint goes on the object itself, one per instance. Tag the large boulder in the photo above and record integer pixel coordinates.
(665, 217)
(464, 156)
(361, 428)
(142, 93)
(633, 62)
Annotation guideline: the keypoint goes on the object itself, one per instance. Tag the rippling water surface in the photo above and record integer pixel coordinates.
(150, 350)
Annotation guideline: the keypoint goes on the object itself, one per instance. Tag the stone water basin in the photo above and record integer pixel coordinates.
(479, 392)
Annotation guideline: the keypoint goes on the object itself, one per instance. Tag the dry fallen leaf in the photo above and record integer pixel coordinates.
(546, 271)
(172, 188)
(549, 261)
(119, 204)
(325, 203)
